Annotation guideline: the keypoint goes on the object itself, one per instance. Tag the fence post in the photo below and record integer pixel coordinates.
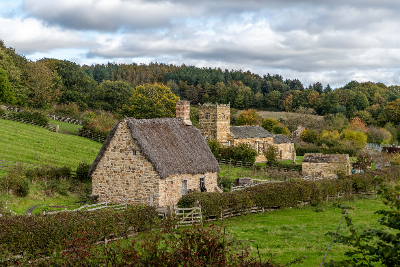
(230, 189)
(57, 128)
(86, 205)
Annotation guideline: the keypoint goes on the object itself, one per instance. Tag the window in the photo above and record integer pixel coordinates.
(184, 187)
(208, 116)
(222, 116)
(228, 143)
(202, 180)
(290, 150)
(256, 145)
(134, 153)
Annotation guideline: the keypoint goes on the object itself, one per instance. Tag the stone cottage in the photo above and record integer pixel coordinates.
(326, 165)
(214, 122)
(153, 161)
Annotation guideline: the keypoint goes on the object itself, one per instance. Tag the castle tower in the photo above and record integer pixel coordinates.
(214, 121)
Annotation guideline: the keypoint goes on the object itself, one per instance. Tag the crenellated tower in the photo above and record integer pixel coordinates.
(214, 121)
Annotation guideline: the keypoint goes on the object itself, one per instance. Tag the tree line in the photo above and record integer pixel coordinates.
(110, 86)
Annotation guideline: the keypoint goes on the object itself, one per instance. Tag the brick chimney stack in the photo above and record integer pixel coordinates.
(183, 110)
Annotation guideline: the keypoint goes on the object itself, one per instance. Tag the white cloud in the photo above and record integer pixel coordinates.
(30, 35)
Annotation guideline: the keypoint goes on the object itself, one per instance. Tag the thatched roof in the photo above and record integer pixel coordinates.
(325, 158)
(254, 131)
(171, 146)
(281, 139)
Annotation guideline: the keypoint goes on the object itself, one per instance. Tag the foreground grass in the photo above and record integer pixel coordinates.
(293, 233)
(31, 144)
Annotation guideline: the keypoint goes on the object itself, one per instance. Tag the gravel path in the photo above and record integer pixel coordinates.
(29, 211)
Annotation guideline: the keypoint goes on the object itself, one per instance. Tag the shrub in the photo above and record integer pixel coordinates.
(242, 152)
(82, 171)
(17, 181)
(36, 117)
(49, 173)
(68, 110)
(342, 148)
(270, 154)
(100, 123)
(249, 117)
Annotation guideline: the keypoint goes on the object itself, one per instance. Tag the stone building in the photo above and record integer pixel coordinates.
(284, 147)
(214, 123)
(326, 165)
(153, 161)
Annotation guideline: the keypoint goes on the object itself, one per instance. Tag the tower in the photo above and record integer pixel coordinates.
(214, 121)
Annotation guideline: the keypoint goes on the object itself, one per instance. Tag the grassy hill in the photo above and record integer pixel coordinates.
(31, 144)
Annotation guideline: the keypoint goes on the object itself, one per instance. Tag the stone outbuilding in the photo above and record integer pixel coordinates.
(326, 165)
(284, 147)
(214, 122)
(153, 161)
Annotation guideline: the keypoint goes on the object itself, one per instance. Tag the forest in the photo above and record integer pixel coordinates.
(109, 87)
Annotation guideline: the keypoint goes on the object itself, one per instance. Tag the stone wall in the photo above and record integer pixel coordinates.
(285, 151)
(125, 173)
(171, 187)
(120, 174)
(183, 110)
(339, 163)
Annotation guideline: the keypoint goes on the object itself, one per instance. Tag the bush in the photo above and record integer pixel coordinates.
(82, 171)
(99, 123)
(17, 181)
(242, 152)
(270, 154)
(32, 116)
(68, 110)
(291, 166)
(46, 173)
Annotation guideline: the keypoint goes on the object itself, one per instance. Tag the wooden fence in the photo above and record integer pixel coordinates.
(11, 117)
(5, 165)
(235, 163)
(65, 119)
(255, 183)
(187, 216)
(90, 135)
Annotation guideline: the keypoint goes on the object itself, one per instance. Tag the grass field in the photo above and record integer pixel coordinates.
(31, 144)
(66, 128)
(293, 233)
(285, 115)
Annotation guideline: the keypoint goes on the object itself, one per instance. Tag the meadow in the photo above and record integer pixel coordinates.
(26, 143)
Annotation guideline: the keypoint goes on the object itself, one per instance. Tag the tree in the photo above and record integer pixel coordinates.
(378, 135)
(390, 113)
(249, 117)
(6, 92)
(116, 94)
(151, 101)
(269, 124)
(336, 121)
(358, 125)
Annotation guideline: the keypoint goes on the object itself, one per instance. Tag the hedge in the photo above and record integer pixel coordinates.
(288, 194)
(301, 150)
(45, 233)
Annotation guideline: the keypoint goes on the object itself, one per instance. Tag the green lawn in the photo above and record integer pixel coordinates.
(31, 144)
(66, 128)
(292, 233)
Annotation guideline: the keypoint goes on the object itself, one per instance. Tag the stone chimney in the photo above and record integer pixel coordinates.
(183, 111)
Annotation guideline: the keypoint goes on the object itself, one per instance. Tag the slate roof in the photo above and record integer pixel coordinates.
(254, 131)
(281, 139)
(170, 145)
(325, 158)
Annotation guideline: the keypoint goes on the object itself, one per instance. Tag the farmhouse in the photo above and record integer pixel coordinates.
(214, 121)
(326, 165)
(153, 161)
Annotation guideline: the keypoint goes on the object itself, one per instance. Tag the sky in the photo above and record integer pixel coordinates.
(332, 42)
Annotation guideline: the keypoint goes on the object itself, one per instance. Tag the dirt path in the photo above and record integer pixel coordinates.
(29, 211)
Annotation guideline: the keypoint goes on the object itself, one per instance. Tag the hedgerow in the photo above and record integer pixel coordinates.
(44, 234)
(288, 194)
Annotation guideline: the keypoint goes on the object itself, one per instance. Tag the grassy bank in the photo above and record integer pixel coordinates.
(67, 128)
(31, 144)
(292, 233)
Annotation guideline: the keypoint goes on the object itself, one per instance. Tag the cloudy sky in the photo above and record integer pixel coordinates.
(333, 41)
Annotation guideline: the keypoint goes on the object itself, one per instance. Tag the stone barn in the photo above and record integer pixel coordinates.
(153, 161)
(326, 165)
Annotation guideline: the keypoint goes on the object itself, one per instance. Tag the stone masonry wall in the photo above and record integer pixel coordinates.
(325, 169)
(285, 151)
(171, 187)
(120, 174)
(223, 123)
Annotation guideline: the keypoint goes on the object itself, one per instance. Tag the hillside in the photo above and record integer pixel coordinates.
(31, 144)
